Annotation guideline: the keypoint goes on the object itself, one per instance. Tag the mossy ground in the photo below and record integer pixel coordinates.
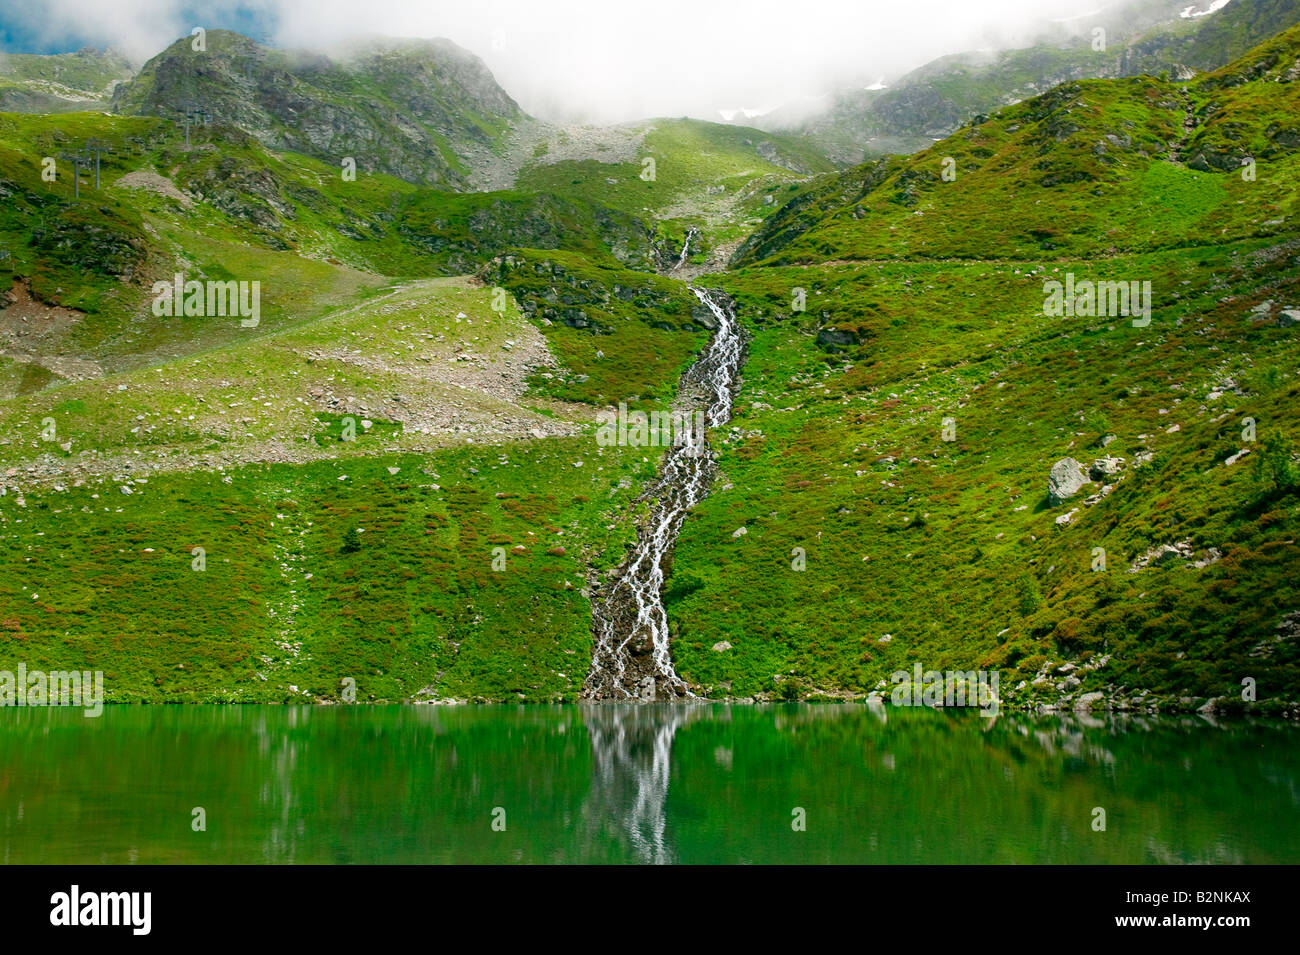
(95, 579)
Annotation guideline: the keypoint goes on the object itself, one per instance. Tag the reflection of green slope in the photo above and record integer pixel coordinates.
(420, 785)
(928, 788)
(309, 785)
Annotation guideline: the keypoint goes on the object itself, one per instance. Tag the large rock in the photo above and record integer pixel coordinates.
(701, 314)
(1066, 480)
(1163, 554)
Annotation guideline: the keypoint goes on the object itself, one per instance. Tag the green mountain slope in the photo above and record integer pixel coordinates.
(1108, 140)
(891, 453)
(937, 98)
(684, 175)
(359, 362)
(418, 402)
(225, 207)
(1205, 45)
(62, 82)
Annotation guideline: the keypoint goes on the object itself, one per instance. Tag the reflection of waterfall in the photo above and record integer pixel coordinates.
(283, 814)
(631, 750)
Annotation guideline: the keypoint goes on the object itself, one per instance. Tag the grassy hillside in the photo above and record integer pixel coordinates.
(32, 83)
(287, 607)
(350, 480)
(1209, 43)
(937, 98)
(948, 553)
(719, 180)
(1082, 169)
(459, 425)
(225, 208)
(900, 431)
(625, 336)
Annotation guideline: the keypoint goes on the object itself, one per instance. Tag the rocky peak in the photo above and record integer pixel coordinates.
(432, 105)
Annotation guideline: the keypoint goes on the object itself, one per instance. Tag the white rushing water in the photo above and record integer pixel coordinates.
(686, 250)
(631, 659)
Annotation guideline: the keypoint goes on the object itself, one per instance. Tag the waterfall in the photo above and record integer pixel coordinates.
(686, 249)
(631, 659)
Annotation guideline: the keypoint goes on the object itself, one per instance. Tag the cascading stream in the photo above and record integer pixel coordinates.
(686, 250)
(631, 660)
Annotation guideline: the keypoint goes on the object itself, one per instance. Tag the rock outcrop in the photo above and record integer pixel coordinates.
(1066, 479)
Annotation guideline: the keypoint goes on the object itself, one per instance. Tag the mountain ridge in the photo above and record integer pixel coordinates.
(934, 99)
(431, 104)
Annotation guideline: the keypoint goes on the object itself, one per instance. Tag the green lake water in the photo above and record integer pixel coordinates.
(688, 784)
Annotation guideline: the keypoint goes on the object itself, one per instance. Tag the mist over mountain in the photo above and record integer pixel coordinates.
(567, 61)
(931, 101)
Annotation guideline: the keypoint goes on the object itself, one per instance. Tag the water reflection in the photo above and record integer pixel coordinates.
(644, 784)
(631, 751)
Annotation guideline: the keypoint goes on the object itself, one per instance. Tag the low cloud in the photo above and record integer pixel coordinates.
(596, 60)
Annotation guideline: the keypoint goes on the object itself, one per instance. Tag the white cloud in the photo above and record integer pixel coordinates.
(610, 60)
